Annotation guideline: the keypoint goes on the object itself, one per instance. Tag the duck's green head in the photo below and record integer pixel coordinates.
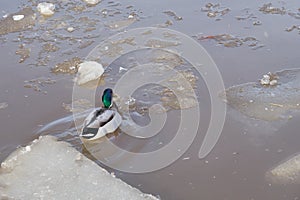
(107, 97)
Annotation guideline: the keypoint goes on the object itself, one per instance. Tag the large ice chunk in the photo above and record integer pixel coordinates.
(89, 71)
(287, 172)
(49, 169)
(268, 101)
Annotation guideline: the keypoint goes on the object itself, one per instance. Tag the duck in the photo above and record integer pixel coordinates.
(102, 121)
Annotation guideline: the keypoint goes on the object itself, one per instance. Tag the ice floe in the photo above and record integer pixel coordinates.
(68, 66)
(51, 169)
(268, 100)
(19, 21)
(287, 172)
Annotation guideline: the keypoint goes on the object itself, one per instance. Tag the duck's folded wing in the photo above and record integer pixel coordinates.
(89, 133)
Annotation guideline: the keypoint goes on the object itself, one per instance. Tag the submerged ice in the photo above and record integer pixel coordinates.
(265, 101)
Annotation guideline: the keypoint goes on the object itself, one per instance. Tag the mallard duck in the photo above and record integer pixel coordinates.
(101, 121)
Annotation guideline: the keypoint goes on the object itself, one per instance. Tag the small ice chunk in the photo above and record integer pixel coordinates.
(122, 69)
(18, 17)
(89, 71)
(269, 79)
(92, 2)
(70, 29)
(3, 105)
(113, 174)
(46, 9)
(211, 14)
(119, 24)
(28, 148)
(273, 82)
(131, 101)
(265, 80)
(257, 23)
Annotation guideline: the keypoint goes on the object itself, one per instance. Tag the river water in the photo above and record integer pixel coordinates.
(245, 40)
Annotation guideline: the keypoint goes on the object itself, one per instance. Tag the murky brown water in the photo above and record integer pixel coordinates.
(236, 167)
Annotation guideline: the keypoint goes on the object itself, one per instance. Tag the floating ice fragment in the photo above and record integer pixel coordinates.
(89, 71)
(294, 27)
(157, 43)
(114, 48)
(131, 102)
(265, 80)
(257, 22)
(9, 24)
(269, 79)
(273, 98)
(39, 83)
(92, 2)
(287, 172)
(166, 24)
(269, 9)
(214, 10)
(69, 66)
(120, 23)
(173, 14)
(18, 17)
(46, 9)
(130, 17)
(55, 170)
(211, 14)
(294, 15)
(70, 29)
(3, 105)
(23, 52)
(27, 148)
(122, 69)
(233, 41)
(273, 82)
(166, 58)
